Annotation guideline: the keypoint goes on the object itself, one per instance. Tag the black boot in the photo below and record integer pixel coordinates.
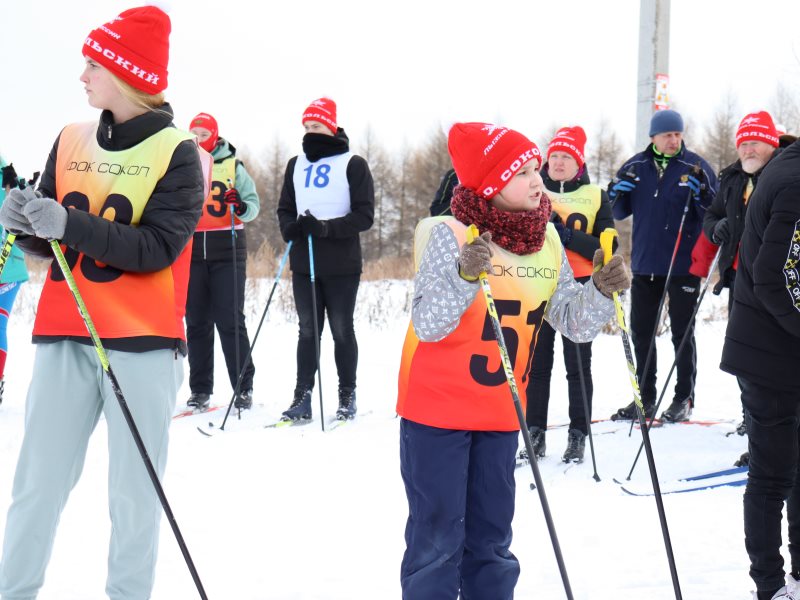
(628, 413)
(198, 401)
(244, 400)
(679, 410)
(347, 404)
(576, 444)
(744, 460)
(537, 441)
(300, 409)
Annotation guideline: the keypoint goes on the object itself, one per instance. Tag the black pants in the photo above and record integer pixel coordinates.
(209, 303)
(646, 292)
(538, 390)
(773, 417)
(336, 296)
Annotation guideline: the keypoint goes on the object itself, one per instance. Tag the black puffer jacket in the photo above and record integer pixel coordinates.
(165, 227)
(762, 342)
(339, 253)
(728, 203)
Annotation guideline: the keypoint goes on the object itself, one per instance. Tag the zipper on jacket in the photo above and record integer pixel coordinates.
(109, 133)
(204, 245)
(562, 187)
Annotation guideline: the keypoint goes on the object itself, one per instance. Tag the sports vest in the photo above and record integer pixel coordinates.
(321, 187)
(459, 381)
(578, 210)
(216, 214)
(115, 185)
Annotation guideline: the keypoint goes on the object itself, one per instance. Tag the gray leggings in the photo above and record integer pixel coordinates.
(67, 395)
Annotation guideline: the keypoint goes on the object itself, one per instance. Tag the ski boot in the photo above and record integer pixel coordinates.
(537, 441)
(347, 404)
(744, 460)
(300, 409)
(244, 400)
(628, 413)
(679, 410)
(576, 445)
(199, 401)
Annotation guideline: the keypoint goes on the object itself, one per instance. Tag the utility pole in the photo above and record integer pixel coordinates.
(653, 61)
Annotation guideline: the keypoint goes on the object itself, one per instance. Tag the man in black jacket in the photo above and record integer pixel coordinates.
(762, 348)
(723, 223)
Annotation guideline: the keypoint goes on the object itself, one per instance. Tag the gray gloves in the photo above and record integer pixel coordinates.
(12, 216)
(47, 218)
(474, 257)
(611, 277)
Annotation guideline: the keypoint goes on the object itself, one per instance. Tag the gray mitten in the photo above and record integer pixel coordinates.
(12, 216)
(611, 277)
(474, 257)
(47, 218)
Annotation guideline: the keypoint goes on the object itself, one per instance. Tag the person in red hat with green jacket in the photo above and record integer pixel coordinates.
(458, 426)
(123, 196)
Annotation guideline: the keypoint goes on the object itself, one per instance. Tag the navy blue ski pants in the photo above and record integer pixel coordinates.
(460, 488)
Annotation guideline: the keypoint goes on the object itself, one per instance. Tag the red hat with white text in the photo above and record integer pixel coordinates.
(324, 111)
(757, 127)
(487, 156)
(206, 121)
(571, 140)
(134, 47)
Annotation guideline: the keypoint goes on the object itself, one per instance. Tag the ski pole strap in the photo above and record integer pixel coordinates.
(5, 252)
(73, 287)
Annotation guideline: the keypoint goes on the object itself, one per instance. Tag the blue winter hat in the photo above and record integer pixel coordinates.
(664, 121)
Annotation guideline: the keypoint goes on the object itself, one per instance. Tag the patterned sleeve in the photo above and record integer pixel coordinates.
(441, 296)
(576, 310)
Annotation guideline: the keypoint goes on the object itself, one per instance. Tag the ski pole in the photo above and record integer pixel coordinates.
(586, 410)
(651, 347)
(255, 338)
(316, 328)
(472, 234)
(123, 405)
(239, 366)
(5, 251)
(606, 242)
(680, 347)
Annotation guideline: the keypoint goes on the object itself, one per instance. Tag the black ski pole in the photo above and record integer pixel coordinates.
(696, 170)
(606, 242)
(316, 328)
(239, 366)
(680, 348)
(472, 233)
(253, 343)
(586, 410)
(123, 405)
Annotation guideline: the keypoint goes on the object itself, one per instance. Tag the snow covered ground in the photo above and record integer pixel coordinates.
(300, 514)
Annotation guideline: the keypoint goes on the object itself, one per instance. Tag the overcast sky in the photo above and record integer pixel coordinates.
(400, 68)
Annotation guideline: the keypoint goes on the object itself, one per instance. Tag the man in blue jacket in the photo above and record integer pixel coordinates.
(667, 189)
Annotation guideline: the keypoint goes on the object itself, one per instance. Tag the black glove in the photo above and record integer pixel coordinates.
(722, 232)
(313, 226)
(232, 198)
(10, 177)
(291, 232)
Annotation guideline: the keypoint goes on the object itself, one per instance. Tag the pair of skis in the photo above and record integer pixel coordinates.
(733, 477)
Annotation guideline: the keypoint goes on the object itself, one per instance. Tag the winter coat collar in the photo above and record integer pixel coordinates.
(580, 180)
(121, 136)
(319, 145)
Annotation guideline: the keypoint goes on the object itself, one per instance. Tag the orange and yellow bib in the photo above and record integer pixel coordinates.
(216, 214)
(115, 185)
(578, 210)
(459, 381)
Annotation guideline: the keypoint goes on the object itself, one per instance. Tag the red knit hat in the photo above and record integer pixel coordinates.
(757, 127)
(570, 140)
(486, 156)
(324, 111)
(135, 47)
(206, 121)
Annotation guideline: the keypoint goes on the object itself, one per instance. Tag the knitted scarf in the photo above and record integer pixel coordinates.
(518, 232)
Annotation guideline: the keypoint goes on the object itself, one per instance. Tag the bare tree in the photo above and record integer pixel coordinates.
(605, 155)
(719, 147)
(785, 108)
(382, 168)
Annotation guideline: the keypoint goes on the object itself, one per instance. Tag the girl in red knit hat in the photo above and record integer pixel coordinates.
(123, 195)
(459, 429)
(581, 211)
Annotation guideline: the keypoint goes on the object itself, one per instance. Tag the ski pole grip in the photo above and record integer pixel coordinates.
(607, 243)
(472, 233)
